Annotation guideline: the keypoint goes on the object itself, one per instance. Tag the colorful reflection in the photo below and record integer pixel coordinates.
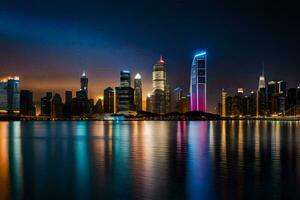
(149, 160)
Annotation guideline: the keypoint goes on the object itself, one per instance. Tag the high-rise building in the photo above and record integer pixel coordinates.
(46, 104)
(13, 95)
(291, 98)
(84, 81)
(124, 93)
(223, 103)
(98, 108)
(124, 99)
(298, 95)
(148, 103)
(281, 87)
(67, 111)
(261, 96)
(138, 92)
(262, 80)
(26, 103)
(125, 78)
(159, 76)
(198, 83)
(161, 94)
(56, 107)
(109, 96)
(168, 98)
(178, 94)
(3, 96)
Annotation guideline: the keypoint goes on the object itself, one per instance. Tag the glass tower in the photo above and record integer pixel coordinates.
(198, 83)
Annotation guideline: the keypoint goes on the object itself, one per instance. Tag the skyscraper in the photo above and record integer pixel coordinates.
(56, 107)
(178, 95)
(46, 104)
(138, 92)
(159, 77)
(13, 95)
(223, 103)
(160, 98)
(3, 96)
(67, 111)
(124, 93)
(84, 81)
(148, 103)
(26, 103)
(261, 96)
(125, 79)
(109, 96)
(198, 83)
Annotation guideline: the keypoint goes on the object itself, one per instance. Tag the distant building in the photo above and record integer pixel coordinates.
(124, 99)
(13, 95)
(261, 102)
(298, 95)
(26, 103)
(168, 99)
(98, 108)
(198, 83)
(84, 81)
(46, 104)
(3, 96)
(148, 103)
(124, 93)
(223, 103)
(178, 94)
(125, 79)
(109, 96)
(67, 111)
(138, 102)
(56, 107)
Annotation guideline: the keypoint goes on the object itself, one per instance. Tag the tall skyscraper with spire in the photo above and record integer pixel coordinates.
(261, 96)
(160, 95)
(84, 83)
(198, 82)
(262, 80)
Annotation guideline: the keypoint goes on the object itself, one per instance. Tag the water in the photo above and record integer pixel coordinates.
(149, 160)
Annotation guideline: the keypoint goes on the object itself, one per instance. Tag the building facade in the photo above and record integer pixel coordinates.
(124, 93)
(138, 101)
(198, 83)
(109, 98)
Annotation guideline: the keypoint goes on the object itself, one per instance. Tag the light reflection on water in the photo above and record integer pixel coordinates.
(149, 160)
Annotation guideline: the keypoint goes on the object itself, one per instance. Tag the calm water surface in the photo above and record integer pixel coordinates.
(150, 160)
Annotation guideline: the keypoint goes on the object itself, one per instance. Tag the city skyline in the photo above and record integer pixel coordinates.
(61, 40)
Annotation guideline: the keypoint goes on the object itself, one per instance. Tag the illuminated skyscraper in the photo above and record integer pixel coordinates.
(160, 98)
(125, 79)
(13, 95)
(3, 96)
(261, 104)
(138, 92)
(198, 83)
(84, 81)
(159, 75)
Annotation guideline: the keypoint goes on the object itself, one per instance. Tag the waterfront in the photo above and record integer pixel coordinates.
(149, 160)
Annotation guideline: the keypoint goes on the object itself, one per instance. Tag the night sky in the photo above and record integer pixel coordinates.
(49, 44)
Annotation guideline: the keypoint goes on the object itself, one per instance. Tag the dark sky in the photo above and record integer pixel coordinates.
(49, 43)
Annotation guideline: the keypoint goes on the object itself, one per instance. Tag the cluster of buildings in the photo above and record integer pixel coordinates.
(271, 99)
(123, 99)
